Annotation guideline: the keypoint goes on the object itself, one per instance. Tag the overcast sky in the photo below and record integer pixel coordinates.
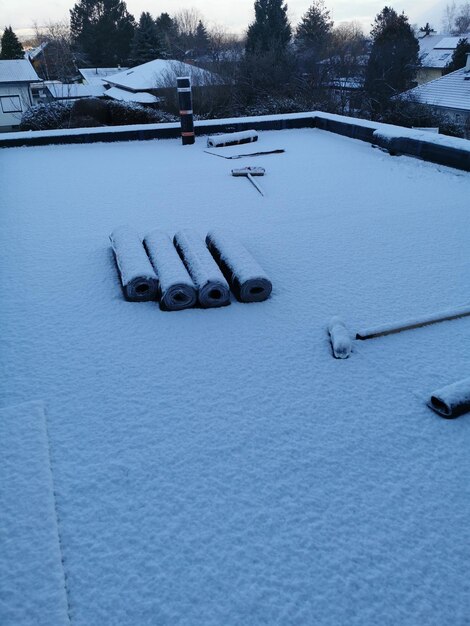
(235, 15)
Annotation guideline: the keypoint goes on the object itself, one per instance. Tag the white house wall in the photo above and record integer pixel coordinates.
(9, 91)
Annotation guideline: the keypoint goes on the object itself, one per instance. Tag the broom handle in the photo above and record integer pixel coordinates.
(252, 181)
(418, 322)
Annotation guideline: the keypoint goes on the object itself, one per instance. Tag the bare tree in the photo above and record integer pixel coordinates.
(456, 19)
(56, 60)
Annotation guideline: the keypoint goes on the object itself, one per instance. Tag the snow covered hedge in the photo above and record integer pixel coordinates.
(90, 112)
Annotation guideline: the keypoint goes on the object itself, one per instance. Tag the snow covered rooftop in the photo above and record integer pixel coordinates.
(95, 75)
(70, 91)
(436, 50)
(130, 96)
(451, 91)
(159, 73)
(219, 466)
(17, 71)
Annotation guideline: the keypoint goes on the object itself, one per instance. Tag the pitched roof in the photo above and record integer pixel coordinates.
(436, 50)
(63, 91)
(17, 71)
(95, 75)
(450, 91)
(157, 73)
(129, 96)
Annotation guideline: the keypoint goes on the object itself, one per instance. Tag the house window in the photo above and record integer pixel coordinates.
(11, 104)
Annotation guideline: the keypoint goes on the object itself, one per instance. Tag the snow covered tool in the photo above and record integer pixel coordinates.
(176, 289)
(232, 139)
(250, 154)
(249, 172)
(213, 289)
(453, 400)
(139, 281)
(247, 279)
(340, 338)
(186, 110)
(418, 322)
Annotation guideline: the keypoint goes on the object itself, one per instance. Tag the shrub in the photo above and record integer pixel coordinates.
(47, 116)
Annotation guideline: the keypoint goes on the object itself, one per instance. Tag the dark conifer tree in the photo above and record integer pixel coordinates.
(314, 31)
(459, 56)
(167, 30)
(102, 30)
(146, 44)
(201, 40)
(270, 31)
(11, 47)
(393, 61)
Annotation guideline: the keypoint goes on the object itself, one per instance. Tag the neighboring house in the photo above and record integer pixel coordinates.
(155, 78)
(16, 78)
(435, 53)
(348, 93)
(53, 60)
(449, 95)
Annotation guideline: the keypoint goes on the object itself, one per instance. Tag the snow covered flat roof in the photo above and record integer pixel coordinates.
(219, 466)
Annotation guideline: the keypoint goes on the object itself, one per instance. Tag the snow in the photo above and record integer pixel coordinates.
(129, 96)
(341, 343)
(219, 466)
(226, 139)
(31, 574)
(453, 400)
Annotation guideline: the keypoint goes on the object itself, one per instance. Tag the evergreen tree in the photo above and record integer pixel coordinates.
(314, 31)
(459, 56)
(271, 31)
(201, 40)
(103, 30)
(11, 47)
(146, 45)
(393, 60)
(167, 30)
(427, 29)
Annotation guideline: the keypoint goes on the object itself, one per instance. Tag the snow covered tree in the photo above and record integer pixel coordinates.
(11, 47)
(103, 30)
(146, 45)
(314, 30)
(270, 31)
(393, 60)
(459, 56)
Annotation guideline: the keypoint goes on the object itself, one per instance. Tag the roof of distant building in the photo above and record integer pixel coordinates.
(95, 75)
(451, 91)
(65, 91)
(159, 73)
(436, 50)
(17, 71)
(142, 97)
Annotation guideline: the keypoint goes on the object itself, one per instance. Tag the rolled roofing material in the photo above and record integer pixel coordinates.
(246, 277)
(340, 338)
(176, 288)
(232, 139)
(139, 281)
(452, 400)
(213, 290)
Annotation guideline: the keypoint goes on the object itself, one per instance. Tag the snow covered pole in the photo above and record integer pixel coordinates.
(340, 338)
(176, 289)
(232, 139)
(247, 279)
(417, 322)
(186, 110)
(213, 289)
(453, 400)
(139, 281)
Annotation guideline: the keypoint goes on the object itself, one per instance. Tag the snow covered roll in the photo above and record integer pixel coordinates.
(176, 289)
(453, 400)
(232, 139)
(212, 288)
(340, 338)
(246, 277)
(139, 281)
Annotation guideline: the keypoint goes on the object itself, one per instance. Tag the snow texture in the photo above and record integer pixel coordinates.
(410, 324)
(219, 466)
(32, 583)
(386, 134)
(213, 289)
(452, 400)
(232, 139)
(176, 287)
(138, 278)
(340, 338)
(245, 275)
